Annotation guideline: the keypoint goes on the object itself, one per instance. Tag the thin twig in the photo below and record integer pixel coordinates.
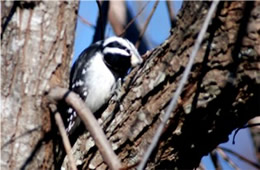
(183, 80)
(82, 19)
(146, 24)
(257, 166)
(65, 140)
(91, 124)
(244, 127)
(255, 135)
(100, 20)
(171, 13)
(133, 20)
(227, 158)
(215, 160)
(201, 167)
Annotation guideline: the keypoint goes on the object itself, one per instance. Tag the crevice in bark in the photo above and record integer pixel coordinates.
(9, 17)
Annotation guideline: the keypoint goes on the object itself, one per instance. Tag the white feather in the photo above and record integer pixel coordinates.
(100, 84)
(117, 39)
(115, 50)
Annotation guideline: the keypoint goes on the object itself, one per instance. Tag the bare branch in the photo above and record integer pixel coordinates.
(226, 158)
(255, 133)
(201, 167)
(241, 157)
(215, 160)
(131, 22)
(171, 13)
(101, 19)
(82, 19)
(65, 140)
(103, 7)
(117, 16)
(183, 80)
(91, 124)
(244, 127)
(146, 24)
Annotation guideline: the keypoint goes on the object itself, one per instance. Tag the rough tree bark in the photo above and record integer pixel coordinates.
(37, 42)
(222, 92)
(221, 95)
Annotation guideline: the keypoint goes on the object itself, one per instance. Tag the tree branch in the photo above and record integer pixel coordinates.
(146, 24)
(103, 7)
(241, 157)
(255, 133)
(91, 124)
(133, 20)
(65, 140)
(82, 19)
(215, 160)
(215, 101)
(226, 158)
(171, 13)
(183, 80)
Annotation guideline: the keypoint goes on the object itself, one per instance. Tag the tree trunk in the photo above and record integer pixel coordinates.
(222, 92)
(37, 42)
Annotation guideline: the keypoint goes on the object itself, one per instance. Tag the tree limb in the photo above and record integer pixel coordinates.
(240, 157)
(171, 13)
(220, 96)
(90, 122)
(227, 158)
(183, 80)
(65, 140)
(146, 24)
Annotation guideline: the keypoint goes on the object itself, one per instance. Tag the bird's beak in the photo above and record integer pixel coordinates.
(136, 59)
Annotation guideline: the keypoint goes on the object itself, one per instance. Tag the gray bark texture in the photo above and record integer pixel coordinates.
(37, 43)
(222, 92)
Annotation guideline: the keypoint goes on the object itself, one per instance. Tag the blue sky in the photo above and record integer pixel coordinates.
(157, 31)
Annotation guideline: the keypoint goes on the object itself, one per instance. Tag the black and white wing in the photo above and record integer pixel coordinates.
(78, 84)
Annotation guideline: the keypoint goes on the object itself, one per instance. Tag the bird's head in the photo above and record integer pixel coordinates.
(120, 55)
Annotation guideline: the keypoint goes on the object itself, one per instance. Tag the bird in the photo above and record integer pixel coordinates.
(95, 74)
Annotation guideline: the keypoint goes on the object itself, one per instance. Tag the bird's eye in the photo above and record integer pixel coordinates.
(127, 50)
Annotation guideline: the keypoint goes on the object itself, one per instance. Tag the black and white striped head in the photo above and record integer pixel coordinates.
(120, 55)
